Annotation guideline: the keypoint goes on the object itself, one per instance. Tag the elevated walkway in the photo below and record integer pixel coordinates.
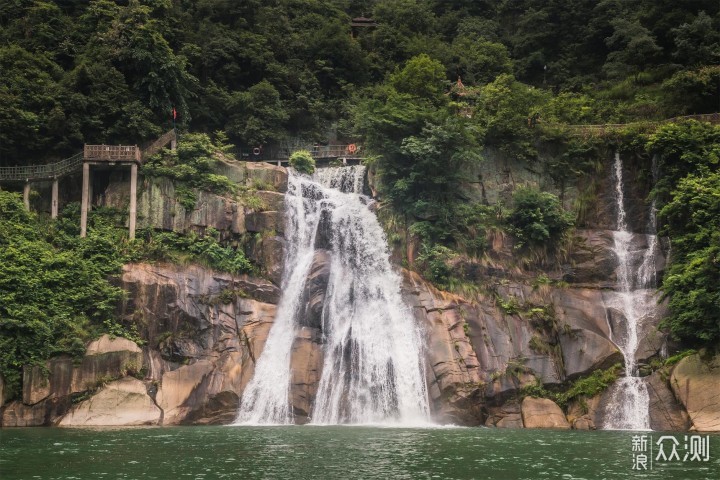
(92, 155)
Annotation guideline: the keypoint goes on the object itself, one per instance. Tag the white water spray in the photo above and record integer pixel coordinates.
(635, 299)
(373, 370)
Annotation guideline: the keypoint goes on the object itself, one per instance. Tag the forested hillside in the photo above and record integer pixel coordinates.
(112, 71)
(426, 87)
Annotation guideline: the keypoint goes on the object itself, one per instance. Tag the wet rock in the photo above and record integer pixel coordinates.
(542, 413)
(696, 383)
(315, 288)
(666, 413)
(306, 361)
(123, 402)
(17, 414)
(158, 207)
(452, 374)
(582, 413)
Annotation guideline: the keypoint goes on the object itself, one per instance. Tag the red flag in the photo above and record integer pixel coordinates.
(174, 113)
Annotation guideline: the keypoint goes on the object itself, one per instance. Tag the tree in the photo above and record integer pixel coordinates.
(698, 42)
(421, 77)
(258, 115)
(692, 220)
(633, 49)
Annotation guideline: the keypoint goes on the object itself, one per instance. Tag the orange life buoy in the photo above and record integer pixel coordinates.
(352, 148)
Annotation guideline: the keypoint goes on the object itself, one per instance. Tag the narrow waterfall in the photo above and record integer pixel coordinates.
(635, 299)
(373, 370)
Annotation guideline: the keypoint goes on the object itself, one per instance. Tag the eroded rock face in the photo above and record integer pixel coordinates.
(158, 205)
(123, 402)
(306, 361)
(696, 383)
(542, 413)
(666, 413)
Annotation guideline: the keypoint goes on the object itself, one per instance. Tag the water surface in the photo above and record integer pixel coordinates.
(330, 452)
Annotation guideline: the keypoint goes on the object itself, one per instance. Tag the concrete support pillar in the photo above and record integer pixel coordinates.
(344, 161)
(279, 163)
(54, 199)
(85, 199)
(26, 195)
(133, 200)
(173, 144)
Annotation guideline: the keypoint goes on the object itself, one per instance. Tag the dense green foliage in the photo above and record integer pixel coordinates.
(205, 249)
(579, 390)
(302, 161)
(191, 166)
(54, 292)
(105, 71)
(538, 218)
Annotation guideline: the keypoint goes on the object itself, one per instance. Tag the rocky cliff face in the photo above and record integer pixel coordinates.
(203, 331)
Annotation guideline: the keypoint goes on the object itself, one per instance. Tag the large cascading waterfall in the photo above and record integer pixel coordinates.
(373, 370)
(636, 300)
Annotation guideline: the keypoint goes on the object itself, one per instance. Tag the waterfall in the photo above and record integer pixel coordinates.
(635, 299)
(373, 370)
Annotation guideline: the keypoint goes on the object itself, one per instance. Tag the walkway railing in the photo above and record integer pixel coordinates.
(712, 118)
(112, 153)
(42, 172)
(158, 144)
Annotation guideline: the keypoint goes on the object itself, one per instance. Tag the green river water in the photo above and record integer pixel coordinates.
(295, 452)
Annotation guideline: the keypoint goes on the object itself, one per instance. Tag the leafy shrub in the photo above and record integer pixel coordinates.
(433, 261)
(303, 162)
(538, 218)
(191, 164)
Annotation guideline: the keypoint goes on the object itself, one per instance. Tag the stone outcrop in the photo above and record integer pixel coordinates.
(542, 413)
(666, 413)
(158, 205)
(505, 416)
(696, 383)
(122, 402)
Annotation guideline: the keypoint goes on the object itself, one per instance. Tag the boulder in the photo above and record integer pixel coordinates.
(542, 413)
(666, 413)
(582, 413)
(108, 344)
(505, 416)
(181, 390)
(584, 351)
(106, 358)
(696, 383)
(122, 402)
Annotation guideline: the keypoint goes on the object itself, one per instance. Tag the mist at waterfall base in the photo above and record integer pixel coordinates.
(635, 299)
(373, 370)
